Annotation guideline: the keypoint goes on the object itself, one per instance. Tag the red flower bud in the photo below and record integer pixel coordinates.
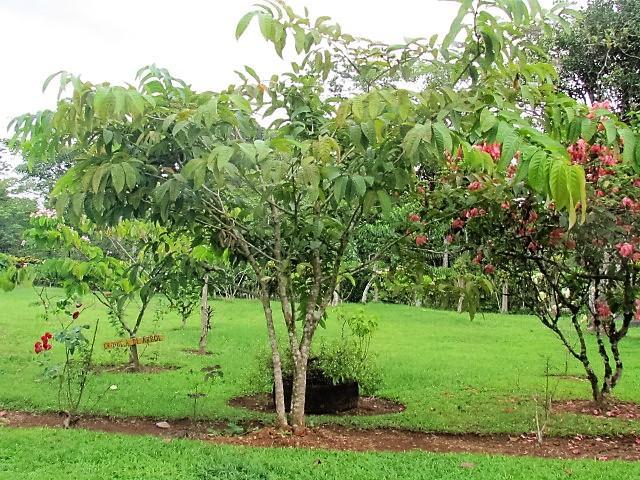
(489, 269)
(421, 240)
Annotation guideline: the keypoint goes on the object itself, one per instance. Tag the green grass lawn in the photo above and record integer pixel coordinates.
(452, 374)
(76, 454)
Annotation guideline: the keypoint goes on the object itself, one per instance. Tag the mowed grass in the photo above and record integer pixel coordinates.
(452, 374)
(76, 454)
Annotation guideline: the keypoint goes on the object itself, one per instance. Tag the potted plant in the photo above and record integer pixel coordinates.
(339, 369)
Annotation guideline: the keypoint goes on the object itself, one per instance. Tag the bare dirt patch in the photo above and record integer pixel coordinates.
(262, 402)
(614, 409)
(195, 351)
(125, 368)
(624, 447)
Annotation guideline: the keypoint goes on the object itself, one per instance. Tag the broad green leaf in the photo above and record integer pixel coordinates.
(243, 24)
(117, 177)
(610, 130)
(443, 138)
(487, 120)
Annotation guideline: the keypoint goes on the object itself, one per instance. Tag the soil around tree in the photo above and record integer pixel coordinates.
(332, 437)
(613, 409)
(128, 368)
(263, 402)
(196, 351)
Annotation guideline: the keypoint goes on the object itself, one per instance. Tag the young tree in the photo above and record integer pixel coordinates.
(117, 277)
(288, 197)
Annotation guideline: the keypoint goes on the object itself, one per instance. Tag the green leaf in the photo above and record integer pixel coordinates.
(629, 140)
(386, 203)
(130, 175)
(97, 177)
(611, 131)
(243, 24)
(414, 136)
(265, 21)
(117, 177)
(508, 150)
(558, 184)
(487, 120)
(443, 138)
(240, 102)
(339, 187)
(589, 128)
(537, 178)
(360, 185)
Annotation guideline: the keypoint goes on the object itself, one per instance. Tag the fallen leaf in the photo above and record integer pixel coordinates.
(163, 425)
(468, 465)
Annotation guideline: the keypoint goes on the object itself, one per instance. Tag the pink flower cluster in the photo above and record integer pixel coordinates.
(492, 149)
(628, 250)
(602, 309)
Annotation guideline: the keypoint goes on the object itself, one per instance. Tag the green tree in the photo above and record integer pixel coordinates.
(288, 196)
(14, 220)
(600, 55)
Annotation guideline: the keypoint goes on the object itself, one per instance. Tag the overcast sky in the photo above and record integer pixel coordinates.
(108, 40)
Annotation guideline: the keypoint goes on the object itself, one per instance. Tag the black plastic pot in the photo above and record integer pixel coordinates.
(323, 396)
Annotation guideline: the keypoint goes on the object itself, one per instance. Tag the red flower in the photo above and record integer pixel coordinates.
(489, 269)
(505, 205)
(625, 249)
(478, 258)
(37, 347)
(627, 202)
(421, 189)
(421, 240)
(533, 216)
(457, 224)
(473, 186)
(48, 335)
(570, 244)
(532, 247)
(603, 309)
(474, 212)
(414, 217)
(556, 235)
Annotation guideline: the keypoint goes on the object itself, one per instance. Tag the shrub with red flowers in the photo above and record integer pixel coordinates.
(71, 374)
(575, 261)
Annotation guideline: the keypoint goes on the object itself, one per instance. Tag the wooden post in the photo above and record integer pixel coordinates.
(205, 316)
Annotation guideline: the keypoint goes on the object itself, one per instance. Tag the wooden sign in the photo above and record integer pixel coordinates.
(127, 342)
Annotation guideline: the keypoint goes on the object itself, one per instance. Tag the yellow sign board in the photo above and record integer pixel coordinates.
(127, 342)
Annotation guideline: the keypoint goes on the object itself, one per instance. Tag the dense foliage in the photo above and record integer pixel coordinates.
(600, 55)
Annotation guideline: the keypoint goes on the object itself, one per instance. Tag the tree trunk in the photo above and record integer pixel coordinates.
(461, 299)
(365, 292)
(335, 300)
(504, 308)
(275, 359)
(134, 360)
(298, 394)
(205, 317)
(184, 320)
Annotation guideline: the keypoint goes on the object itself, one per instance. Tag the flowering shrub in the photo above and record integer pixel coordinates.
(575, 275)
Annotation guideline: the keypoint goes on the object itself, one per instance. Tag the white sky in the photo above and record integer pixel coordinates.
(109, 40)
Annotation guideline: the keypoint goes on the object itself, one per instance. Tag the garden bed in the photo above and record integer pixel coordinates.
(623, 447)
(613, 409)
(263, 402)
